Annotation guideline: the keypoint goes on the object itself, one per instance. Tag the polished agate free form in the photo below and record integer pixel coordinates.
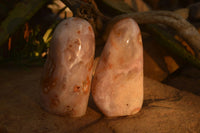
(117, 87)
(66, 78)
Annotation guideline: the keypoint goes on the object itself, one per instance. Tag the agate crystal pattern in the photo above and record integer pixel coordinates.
(117, 87)
(66, 78)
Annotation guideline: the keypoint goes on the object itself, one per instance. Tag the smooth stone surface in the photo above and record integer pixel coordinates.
(165, 109)
(66, 79)
(117, 86)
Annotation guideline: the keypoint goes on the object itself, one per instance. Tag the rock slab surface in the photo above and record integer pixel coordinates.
(165, 109)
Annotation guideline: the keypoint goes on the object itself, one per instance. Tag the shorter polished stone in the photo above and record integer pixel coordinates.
(117, 87)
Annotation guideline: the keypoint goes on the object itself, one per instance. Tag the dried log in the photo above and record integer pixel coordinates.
(183, 27)
(186, 30)
(166, 40)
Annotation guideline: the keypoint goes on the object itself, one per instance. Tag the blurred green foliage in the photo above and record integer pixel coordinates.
(30, 42)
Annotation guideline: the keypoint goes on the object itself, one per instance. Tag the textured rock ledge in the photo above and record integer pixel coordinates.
(165, 109)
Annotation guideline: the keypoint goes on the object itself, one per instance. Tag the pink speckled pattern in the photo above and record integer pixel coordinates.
(66, 79)
(117, 87)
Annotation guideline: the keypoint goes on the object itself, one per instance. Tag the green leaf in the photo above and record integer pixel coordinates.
(47, 35)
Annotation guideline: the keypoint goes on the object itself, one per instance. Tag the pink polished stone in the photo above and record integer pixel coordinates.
(117, 87)
(66, 79)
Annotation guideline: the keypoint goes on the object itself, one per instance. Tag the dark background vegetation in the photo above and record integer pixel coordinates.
(29, 43)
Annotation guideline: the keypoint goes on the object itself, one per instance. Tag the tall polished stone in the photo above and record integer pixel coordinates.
(66, 79)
